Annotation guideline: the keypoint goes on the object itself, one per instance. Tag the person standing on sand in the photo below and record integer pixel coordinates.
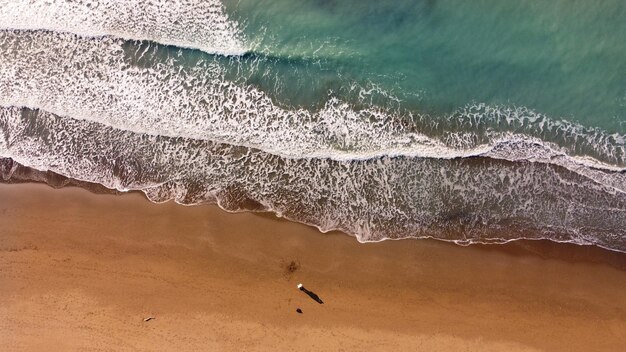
(311, 294)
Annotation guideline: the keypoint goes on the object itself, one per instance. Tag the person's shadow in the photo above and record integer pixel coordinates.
(311, 294)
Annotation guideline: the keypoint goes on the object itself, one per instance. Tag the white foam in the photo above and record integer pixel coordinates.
(91, 79)
(202, 25)
(455, 200)
(95, 79)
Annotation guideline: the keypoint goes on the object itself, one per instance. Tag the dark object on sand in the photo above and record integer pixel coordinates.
(292, 267)
(148, 318)
(299, 310)
(311, 294)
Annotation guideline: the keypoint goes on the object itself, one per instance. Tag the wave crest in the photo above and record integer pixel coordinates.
(202, 25)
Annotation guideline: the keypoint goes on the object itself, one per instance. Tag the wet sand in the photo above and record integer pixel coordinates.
(80, 271)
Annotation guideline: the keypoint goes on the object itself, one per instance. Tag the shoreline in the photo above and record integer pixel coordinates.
(13, 172)
(82, 271)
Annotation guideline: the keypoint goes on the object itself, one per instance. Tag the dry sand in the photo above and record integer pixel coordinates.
(80, 271)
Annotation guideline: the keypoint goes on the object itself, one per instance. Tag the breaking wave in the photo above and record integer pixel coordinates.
(136, 88)
(202, 25)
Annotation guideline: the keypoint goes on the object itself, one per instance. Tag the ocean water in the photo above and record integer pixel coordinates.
(484, 121)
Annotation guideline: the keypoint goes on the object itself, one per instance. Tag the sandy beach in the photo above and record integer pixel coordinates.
(80, 271)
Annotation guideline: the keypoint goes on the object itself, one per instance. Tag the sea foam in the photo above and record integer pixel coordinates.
(102, 80)
(465, 200)
(202, 25)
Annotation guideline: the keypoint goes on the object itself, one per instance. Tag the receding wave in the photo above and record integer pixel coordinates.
(465, 200)
(202, 25)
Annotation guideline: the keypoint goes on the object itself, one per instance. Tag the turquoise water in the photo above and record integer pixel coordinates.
(466, 121)
(562, 58)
